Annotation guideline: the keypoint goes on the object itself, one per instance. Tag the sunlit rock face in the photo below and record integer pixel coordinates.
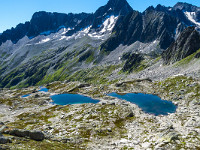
(186, 44)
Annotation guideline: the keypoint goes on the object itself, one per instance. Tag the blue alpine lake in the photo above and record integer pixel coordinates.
(68, 99)
(149, 103)
(43, 89)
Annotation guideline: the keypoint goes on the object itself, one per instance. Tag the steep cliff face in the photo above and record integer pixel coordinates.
(144, 27)
(127, 30)
(45, 23)
(160, 23)
(186, 44)
(15, 34)
(42, 23)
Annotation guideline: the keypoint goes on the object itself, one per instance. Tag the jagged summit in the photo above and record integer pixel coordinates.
(119, 7)
(162, 8)
(113, 7)
(191, 13)
(185, 7)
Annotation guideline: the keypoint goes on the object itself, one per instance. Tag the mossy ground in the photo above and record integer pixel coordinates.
(184, 62)
(83, 124)
(181, 86)
(87, 122)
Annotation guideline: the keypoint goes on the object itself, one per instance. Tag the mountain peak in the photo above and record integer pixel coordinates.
(185, 7)
(113, 7)
(119, 7)
(117, 2)
(161, 8)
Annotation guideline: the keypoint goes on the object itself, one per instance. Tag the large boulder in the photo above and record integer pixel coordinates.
(34, 135)
(131, 114)
(4, 140)
(19, 133)
(37, 135)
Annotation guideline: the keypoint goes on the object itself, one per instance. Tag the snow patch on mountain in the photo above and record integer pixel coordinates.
(87, 29)
(101, 33)
(106, 28)
(192, 16)
(62, 33)
(44, 41)
(80, 34)
(109, 24)
(65, 30)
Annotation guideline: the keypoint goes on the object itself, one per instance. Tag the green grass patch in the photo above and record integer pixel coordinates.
(186, 60)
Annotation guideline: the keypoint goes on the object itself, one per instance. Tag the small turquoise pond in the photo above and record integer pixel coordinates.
(68, 99)
(26, 95)
(43, 89)
(151, 104)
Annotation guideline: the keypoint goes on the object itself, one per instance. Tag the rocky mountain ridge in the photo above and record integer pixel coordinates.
(186, 44)
(42, 23)
(76, 42)
(45, 23)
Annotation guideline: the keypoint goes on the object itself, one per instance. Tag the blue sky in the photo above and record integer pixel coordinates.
(13, 12)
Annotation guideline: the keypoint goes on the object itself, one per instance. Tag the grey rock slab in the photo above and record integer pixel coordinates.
(37, 135)
(19, 133)
(4, 140)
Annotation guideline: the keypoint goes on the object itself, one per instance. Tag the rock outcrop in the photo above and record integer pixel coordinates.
(34, 135)
(197, 55)
(4, 140)
(19, 133)
(186, 44)
(151, 25)
(132, 62)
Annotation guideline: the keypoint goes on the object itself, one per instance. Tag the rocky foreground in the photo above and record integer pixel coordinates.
(35, 123)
